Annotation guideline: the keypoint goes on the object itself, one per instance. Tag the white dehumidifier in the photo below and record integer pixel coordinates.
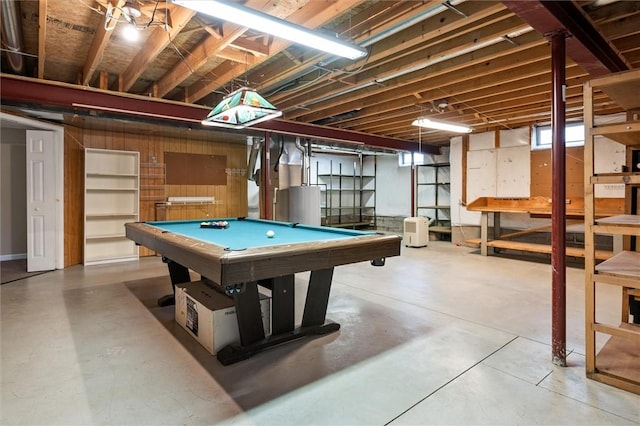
(416, 232)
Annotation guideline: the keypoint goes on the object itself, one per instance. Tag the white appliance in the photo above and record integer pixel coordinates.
(416, 232)
(298, 204)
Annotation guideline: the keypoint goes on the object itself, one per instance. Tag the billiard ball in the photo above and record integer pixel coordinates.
(270, 234)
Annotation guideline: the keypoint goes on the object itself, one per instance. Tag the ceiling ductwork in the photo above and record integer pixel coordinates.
(12, 35)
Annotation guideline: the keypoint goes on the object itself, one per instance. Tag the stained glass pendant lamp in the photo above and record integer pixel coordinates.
(241, 108)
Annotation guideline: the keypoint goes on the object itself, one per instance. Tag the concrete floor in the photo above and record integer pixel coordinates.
(440, 335)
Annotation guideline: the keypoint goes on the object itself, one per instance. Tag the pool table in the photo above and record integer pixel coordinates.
(240, 256)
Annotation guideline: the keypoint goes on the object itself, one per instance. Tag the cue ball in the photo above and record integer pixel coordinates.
(270, 233)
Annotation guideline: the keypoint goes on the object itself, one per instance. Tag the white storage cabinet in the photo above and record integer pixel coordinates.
(111, 199)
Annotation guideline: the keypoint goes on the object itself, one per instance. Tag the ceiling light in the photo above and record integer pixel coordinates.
(130, 32)
(268, 24)
(131, 10)
(441, 125)
(242, 108)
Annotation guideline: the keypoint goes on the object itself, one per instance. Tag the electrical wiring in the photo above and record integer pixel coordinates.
(110, 21)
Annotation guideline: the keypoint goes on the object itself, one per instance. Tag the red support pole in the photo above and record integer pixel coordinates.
(414, 211)
(265, 179)
(558, 208)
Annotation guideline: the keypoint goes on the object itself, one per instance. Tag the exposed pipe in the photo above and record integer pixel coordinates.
(431, 61)
(413, 20)
(306, 161)
(256, 145)
(12, 35)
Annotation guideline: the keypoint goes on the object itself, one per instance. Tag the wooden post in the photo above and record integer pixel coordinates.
(558, 208)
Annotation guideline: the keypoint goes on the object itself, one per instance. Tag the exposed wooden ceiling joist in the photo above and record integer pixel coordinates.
(488, 65)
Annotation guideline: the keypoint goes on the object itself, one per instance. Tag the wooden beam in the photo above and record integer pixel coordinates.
(100, 41)
(156, 43)
(212, 45)
(472, 68)
(408, 49)
(42, 36)
(199, 56)
(312, 15)
(240, 57)
(256, 48)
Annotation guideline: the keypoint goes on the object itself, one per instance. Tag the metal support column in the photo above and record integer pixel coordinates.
(558, 208)
(265, 178)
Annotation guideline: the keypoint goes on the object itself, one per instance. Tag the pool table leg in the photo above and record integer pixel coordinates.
(315, 307)
(313, 317)
(282, 304)
(178, 274)
(248, 314)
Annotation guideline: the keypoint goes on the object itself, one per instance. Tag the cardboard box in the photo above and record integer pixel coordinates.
(210, 316)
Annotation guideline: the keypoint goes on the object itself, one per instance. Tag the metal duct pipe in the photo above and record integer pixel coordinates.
(12, 34)
(306, 161)
(256, 145)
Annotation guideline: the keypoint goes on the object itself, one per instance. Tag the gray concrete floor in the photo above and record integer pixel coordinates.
(440, 335)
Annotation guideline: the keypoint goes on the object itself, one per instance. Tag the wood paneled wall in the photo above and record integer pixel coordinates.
(541, 173)
(152, 144)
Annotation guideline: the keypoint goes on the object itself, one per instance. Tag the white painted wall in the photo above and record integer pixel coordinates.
(492, 172)
(505, 172)
(393, 187)
(13, 189)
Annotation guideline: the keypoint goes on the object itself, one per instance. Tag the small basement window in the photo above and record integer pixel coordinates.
(574, 136)
(405, 158)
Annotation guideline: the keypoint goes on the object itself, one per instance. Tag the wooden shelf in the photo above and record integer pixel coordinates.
(536, 248)
(105, 236)
(622, 88)
(625, 224)
(627, 178)
(440, 229)
(91, 174)
(620, 357)
(625, 264)
(626, 133)
(618, 362)
(110, 214)
(112, 189)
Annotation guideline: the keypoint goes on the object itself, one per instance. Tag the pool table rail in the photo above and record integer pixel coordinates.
(229, 267)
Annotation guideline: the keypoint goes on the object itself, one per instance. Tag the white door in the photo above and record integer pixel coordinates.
(41, 203)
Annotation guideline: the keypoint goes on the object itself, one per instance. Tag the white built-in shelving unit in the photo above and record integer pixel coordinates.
(111, 199)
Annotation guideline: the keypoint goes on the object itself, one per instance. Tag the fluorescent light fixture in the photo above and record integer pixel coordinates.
(441, 125)
(259, 21)
(242, 108)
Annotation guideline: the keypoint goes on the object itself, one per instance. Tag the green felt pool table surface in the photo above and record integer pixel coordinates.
(252, 233)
